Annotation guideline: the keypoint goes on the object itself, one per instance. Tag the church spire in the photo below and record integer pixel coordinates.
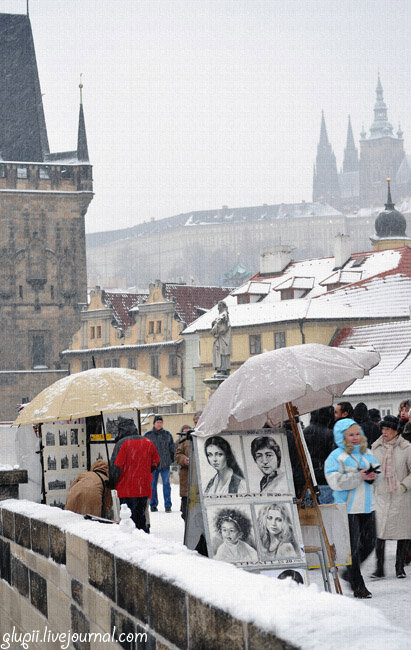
(325, 182)
(380, 128)
(82, 149)
(350, 163)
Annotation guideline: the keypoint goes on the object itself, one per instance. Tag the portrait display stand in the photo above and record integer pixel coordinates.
(241, 502)
(311, 515)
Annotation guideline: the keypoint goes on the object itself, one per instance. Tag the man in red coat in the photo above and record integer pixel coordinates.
(132, 462)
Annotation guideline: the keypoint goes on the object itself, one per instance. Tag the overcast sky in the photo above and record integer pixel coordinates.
(195, 104)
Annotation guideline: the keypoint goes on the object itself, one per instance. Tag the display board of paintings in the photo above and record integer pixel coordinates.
(248, 500)
(64, 457)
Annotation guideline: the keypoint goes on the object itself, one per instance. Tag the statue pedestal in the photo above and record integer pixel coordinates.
(213, 383)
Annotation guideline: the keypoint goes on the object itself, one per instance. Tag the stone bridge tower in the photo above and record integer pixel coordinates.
(43, 201)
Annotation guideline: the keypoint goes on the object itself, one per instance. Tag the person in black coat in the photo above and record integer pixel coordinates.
(320, 442)
(371, 430)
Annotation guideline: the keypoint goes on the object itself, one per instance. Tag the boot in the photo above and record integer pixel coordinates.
(402, 547)
(380, 553)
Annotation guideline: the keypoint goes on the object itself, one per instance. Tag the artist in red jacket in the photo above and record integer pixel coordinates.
(131, 465)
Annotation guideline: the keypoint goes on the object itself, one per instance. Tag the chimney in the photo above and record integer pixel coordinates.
(275, 258)
(342, 250)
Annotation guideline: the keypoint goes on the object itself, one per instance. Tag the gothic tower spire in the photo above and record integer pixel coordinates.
(325, 182)
(380, 128)
(82, 149)
(350, 163)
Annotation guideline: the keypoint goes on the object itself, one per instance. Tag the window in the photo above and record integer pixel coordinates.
(279, 340)
(151, 327)
(25, 400)
(154, 366)
(158, 327)
(66, 172)
(44, 172)
(2, 171)
(38, 350)
(107, 363)
(84, 364)
(385, 411)
(92, 332)
(243, 299)
(52, 292)
(21, 172)
(287, 294)
(98, 331)
(132, 363)
(115, 363)
(20, 291)
(173, 365)
(255, 343)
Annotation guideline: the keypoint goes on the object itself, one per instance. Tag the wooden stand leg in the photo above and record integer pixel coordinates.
(317, 517)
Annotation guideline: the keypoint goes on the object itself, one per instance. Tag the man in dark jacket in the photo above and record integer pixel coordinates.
(133, 460)
(371, 430)
(320, 442)
(164, 443)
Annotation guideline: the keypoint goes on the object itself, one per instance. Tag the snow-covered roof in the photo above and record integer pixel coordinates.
(254, 288)
(393, 342)
(380, 288)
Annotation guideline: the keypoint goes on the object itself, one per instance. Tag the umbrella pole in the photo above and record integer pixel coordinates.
(139, 421)
(292, 413)
(105, 437)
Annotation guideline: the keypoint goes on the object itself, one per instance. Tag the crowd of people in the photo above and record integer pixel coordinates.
(358, 458)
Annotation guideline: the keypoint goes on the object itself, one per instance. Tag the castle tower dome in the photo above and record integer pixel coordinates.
(390, 227)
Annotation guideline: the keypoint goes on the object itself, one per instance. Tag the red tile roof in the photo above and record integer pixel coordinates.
(121, 303)
(191, 301)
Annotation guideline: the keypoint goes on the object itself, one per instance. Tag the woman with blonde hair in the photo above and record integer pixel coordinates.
(276, 531)
(350, 471)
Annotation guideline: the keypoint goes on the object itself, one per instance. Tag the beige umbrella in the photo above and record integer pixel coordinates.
(93, 391)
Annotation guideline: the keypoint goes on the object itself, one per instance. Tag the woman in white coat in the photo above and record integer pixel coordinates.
(392, 494)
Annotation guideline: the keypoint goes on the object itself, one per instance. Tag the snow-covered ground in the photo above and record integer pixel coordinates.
(391, 596)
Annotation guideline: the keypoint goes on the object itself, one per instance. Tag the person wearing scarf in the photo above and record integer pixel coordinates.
(393, 494)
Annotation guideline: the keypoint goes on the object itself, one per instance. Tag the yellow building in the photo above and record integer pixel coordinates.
(141, 331)
(291, 303)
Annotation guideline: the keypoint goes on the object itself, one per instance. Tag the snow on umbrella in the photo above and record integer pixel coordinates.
(309, 376)
(93, 391)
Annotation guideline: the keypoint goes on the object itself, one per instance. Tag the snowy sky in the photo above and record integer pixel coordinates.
(195, 104)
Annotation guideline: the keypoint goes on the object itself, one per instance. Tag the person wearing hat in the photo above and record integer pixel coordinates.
(182, 458)
(349, 471)
(393, 494)
(164, 443)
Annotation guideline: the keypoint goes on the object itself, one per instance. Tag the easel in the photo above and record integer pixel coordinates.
(311, 514)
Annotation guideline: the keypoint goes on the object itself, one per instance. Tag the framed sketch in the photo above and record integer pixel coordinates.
(221, 464)
(267, 461)
(64, 457)
(231, 531)
(245, 486)
(279, 532)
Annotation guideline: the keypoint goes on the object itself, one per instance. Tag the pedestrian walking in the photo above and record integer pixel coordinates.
(349, 472)
(393, 494)
(182, 458)
(164, 443)
(131, 465)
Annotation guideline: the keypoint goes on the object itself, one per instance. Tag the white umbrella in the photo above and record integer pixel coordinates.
(309, 376)
(93, 391)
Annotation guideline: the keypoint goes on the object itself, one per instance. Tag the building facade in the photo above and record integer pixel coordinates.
(295, 302)
(44, 199)
(142, 331)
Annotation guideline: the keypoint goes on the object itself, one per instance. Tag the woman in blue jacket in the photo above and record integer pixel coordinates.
(347, 470)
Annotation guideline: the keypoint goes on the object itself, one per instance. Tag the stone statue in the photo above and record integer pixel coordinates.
(221, 330)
